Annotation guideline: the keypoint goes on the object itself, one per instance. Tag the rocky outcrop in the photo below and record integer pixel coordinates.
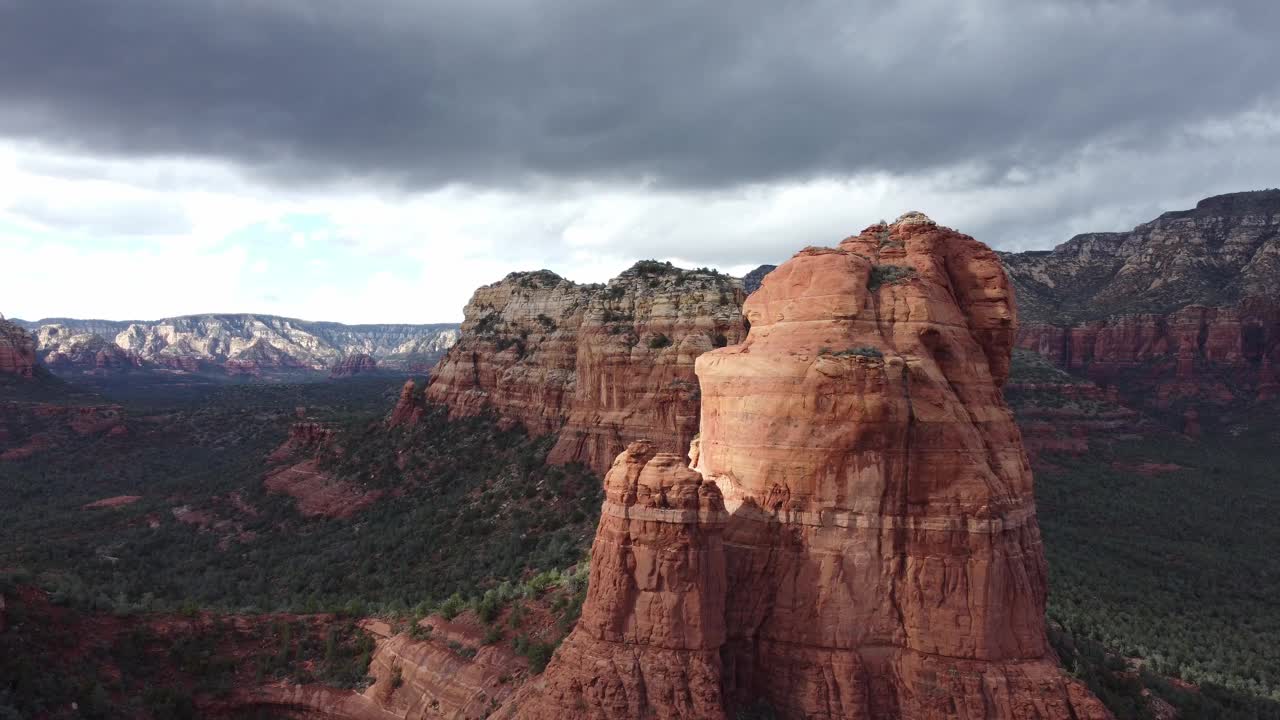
(241, 344)
(305, 438)
(648, 643)
(409, 407)
(880, 552)
(1180, 308)
(319, 494)
(601, 365)
(352, 365)
(424, 679)
(17, 351)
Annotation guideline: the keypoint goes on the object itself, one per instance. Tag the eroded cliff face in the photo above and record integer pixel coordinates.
(601, 365)
(65, 350)
(17, 351)
(1180, 308)
(648, 643)
(240, 344)
(879, 548)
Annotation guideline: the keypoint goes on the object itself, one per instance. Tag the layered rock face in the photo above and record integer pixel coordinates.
(601, 365)
(1180, 307)
(352, 365)
(65, 350)
(17, 351)
(880, 553)
(648, 643)
(241, 344)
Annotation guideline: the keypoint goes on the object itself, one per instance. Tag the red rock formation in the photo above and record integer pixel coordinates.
(881, 552)
(1062, 415)
(305, 438)
(409, 407)
(435, 680)
(648, 643)
(1186, 353)
(318, 493)
(603, 366)
(17, 351)
(351, 365)
(517, 353)
(1180, 308)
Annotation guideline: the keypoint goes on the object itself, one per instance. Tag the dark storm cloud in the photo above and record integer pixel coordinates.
(705, 94)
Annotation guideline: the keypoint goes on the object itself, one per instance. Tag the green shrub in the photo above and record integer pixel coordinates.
(888, 274)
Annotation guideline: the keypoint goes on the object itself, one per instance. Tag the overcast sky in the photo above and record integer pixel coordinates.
(376, 160)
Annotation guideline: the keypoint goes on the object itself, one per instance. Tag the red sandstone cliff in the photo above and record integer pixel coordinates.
(880, 554)
(1181, 308)
(648, 643)
(17, 351)
(601, 365)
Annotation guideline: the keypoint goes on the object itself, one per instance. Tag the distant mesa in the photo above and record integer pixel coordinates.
(246, 345)
(1182, 309)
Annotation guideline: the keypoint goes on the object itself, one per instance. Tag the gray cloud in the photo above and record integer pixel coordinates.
(677, 94)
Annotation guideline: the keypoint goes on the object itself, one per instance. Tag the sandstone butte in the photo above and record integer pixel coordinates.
(355, 364)
(601, 365)
(859, 538)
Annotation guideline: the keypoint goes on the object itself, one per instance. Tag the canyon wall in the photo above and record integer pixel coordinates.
(859, 539)
(240, 344)
(1181, 308)
(602, 365)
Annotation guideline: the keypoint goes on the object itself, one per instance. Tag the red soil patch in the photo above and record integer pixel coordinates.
(111, 502)
(318, 493)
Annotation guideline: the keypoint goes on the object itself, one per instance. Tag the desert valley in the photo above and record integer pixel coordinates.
(897, 475)
(596, 360)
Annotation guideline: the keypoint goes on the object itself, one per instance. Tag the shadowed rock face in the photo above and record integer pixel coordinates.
(17, 351)
(358, 364)
(880, 550)
(601, 365)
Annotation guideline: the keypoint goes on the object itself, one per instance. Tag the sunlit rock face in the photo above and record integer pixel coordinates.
(602, 365)
(878, 542)
(240, 344)
(653, 624)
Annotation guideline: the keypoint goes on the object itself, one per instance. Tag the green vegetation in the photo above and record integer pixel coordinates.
(865, 351)
(160, 666)
(654, 267)
(1032, 367)
(1177, 568)
(472, 506)
(888, 274)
